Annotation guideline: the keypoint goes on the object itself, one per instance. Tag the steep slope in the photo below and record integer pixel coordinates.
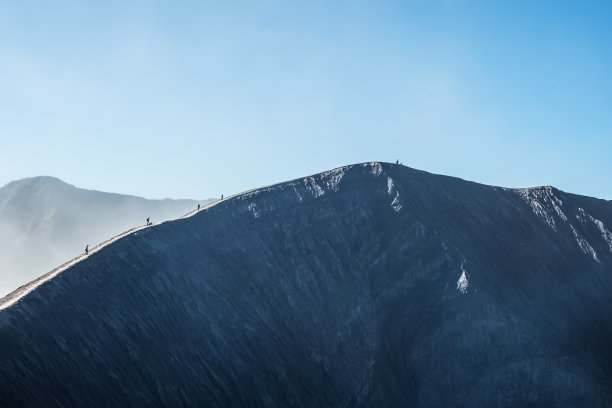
(44, 221)
(368, 285)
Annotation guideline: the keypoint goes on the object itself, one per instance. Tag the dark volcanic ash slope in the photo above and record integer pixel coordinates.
(369, 285)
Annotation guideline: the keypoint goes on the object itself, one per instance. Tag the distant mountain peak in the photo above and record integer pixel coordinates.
(39, 180)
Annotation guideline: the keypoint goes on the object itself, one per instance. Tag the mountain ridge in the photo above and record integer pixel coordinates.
(368, 285)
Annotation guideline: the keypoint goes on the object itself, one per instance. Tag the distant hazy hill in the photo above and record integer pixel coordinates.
(372, 285)
(44, 222)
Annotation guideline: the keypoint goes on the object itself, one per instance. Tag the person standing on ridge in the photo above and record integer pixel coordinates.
(87, 249)
(198, 207)
(148, 223)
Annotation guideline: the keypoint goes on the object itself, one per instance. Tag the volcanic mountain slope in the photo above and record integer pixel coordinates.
(368, 285)
(44, 221)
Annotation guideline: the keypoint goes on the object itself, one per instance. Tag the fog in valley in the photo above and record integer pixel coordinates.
(45, 222)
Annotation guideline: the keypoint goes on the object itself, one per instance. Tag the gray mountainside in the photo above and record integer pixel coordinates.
(368, 285)
(44, 222)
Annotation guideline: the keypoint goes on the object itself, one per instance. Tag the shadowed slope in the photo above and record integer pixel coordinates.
(369, 285)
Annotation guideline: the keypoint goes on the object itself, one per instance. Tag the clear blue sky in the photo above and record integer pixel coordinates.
(194, 99)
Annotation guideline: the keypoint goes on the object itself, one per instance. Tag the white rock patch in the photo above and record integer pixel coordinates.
(584, 245)
(253, 209)
(376, 168)
(311, 185)
(390, 185)
(541, 200)
(605, 233)
(396, 203)
(462, 283)
(332, 179)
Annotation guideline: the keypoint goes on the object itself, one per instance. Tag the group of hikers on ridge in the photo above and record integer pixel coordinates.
(147, 224)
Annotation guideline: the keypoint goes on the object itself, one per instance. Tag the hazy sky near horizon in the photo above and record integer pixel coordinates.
(193, 99)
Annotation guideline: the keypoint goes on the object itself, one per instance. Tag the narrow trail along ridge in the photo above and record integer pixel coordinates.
(22, 291)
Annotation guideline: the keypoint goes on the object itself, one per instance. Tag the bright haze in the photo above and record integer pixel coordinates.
(45, 222)
(195, 99)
